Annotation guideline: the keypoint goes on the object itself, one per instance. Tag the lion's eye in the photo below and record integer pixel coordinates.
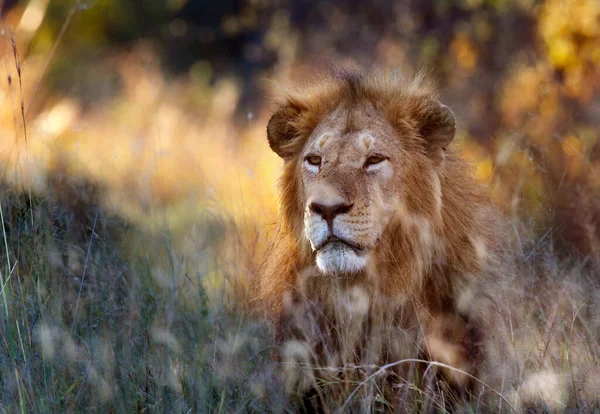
(374, 159)
(313, 160)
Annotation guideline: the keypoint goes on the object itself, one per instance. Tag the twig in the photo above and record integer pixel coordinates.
(19, 75)
(384, 368)
(7, 263)
(87, 256)
(23, 117)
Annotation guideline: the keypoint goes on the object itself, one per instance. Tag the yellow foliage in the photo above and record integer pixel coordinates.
(484, 169)
(530, 95)
(567, 27)
(571, 146)
(464, 52)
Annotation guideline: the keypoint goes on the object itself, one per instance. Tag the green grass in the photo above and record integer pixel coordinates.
(103, 314)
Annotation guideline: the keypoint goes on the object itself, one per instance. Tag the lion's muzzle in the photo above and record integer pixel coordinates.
(328, 233)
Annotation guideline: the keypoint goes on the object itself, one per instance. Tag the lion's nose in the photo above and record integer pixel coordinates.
(328, 212)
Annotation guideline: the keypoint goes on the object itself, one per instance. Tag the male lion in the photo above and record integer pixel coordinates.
(382, 235)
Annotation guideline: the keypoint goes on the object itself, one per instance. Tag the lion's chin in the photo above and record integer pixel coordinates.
(338, 258)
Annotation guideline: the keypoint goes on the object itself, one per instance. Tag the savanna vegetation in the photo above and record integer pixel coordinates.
(137, 188)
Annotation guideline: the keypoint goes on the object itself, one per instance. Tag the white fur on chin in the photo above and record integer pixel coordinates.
(338, 258)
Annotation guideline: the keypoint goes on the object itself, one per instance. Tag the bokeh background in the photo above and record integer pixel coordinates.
(162, 103)
(138, 188)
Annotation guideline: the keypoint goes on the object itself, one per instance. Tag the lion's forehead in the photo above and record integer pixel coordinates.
(352, 131)
(348, 148)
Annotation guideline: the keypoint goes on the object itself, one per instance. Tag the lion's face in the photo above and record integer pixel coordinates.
(349, 187)
(361, 158)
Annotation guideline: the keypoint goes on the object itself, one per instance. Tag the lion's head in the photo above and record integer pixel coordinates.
(364, 159)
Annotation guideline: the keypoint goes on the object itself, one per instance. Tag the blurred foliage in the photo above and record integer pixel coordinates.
(146, 86)
(522, 76)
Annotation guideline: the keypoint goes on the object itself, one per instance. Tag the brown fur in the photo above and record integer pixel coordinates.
(426, 257)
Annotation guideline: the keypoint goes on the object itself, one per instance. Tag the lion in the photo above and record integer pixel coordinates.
(382, 235)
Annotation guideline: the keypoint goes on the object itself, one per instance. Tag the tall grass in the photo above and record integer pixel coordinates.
(540, 342)
(103, 314)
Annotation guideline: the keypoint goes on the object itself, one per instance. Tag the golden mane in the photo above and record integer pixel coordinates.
(464, 229)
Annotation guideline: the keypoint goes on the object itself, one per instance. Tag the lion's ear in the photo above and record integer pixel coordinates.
(437, 128)
(281, 130)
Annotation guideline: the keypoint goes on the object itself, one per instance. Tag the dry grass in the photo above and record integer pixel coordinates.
(542, 353)
(100, 312)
